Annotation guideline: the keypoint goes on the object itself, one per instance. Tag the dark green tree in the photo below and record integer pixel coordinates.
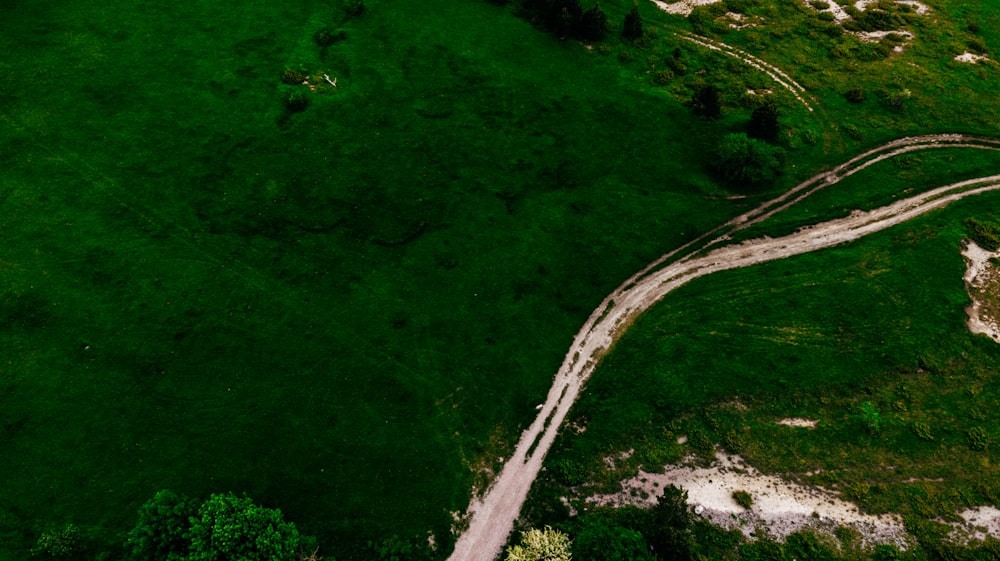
(600, 539)
(227, 527)
(706, 102)
(161, 532)
(668, 528)
(764, 122)
(748, 161)
(593, 24)
(633, 25)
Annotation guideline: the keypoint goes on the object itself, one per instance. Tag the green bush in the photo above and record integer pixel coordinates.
(855, 95)
(662, 77)
(61, 544)
(923, 431)
(161, 532)
(292, 77)
(296, 101)
(743, 499)
(978, 439)
(599, 539)
(229, 527)
(325, 37)
(745, 160)
(871, 418)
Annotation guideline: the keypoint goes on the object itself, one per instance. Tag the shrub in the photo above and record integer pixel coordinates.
(569, 472)
(160, 533)
(325, 37)
(633, 25)
(977, 46)
(541, 545)
(854, 132)
(296, 101)
(819, 4)
(746, 160)
(978, 438)
(602, 540)
(826, 16)
(662, 77)
(870, 415)
(292, 77)
(229, 527)
(855, 95)
(60, 544)
(923, 431)
(743, 499)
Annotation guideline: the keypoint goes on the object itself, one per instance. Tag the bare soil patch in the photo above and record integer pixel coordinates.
(780, 507)
(982, 281)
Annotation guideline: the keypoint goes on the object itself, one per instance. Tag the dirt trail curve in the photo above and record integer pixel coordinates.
(491, 517)
(776, 74)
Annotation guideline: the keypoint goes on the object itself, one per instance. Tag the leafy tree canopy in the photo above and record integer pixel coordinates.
(541, 545)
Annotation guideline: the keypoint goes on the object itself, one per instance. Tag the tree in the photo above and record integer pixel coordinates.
(593, 24)
(228, 527)
(706, 102)
(746, 160)
(764, 122)
(633, 25)
(159, 535)
(599, 539)
(668, 526)
(541, 545)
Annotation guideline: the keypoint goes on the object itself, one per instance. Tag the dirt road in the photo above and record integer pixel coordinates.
(491, 517)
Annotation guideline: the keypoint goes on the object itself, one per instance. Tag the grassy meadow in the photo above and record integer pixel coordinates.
(348, 305)
(343, 311)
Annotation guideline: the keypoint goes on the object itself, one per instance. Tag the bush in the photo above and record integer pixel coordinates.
(923, 431)
(743, 499)
(292, 77)
(662, 77)
(541, 545)
(325, 38)
(745, 160)
(855, 95)
(229, 527)
(602, 540)
(296, 101)
(61, 544)
(632, 29)
(870, 417)
(978, 438)
(160, 533)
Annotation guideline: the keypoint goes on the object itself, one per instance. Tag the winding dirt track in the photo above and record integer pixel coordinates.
(491, 517)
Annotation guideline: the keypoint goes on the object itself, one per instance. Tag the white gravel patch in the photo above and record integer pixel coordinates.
(980, 274)
(980, 522)
(971, 58)
(684, 7)
(779, 508)
(797, 422)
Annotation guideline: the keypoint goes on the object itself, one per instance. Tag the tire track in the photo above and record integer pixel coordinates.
(491, 517)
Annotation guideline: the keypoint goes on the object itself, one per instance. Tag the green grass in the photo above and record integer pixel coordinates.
(349, 312)
(815, 336)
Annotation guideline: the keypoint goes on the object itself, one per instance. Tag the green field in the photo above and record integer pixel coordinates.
(350, 311)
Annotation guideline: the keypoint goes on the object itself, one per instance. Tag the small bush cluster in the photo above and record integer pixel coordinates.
(743, 499)
(292, 76)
